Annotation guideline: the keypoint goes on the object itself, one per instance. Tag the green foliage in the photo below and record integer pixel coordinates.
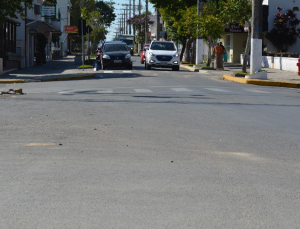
(106, 9)
(138, 22)
(285, 32)
(13, 8)
(78, 6)
(174, 4)
(236, 11)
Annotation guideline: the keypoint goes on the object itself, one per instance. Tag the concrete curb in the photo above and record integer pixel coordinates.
(10, 81)
(192, 69)
(262, 82)
(69, 78)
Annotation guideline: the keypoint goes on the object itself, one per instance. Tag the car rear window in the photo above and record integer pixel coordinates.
(163, 46)
(115, 47)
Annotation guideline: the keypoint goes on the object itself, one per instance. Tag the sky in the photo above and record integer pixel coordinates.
(120, 9)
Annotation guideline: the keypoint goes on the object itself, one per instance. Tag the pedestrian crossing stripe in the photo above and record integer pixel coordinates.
(256, 91)
(105, 91)
(180, 89)
(143, 90)
(216, 89)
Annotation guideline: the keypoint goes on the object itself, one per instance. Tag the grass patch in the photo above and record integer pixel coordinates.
(85, 66)
(241, 73)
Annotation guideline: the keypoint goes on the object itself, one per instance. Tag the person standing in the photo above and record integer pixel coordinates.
(224, 52)
(218, 52)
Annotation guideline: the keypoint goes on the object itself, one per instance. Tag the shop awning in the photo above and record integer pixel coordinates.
(14, 21)
(42, 27)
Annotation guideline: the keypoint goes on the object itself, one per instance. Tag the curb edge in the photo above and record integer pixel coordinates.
(262, 82)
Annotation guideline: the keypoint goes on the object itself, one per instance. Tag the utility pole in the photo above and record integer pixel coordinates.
(124, 20)
(140, 7)
(199, 41)
(157, 25)
(256, 38)
(129, 15)
(146, 23)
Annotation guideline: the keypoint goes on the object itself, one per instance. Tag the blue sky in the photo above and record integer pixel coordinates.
(120, 9)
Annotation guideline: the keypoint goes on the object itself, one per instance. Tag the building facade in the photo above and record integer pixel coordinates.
(20, 39)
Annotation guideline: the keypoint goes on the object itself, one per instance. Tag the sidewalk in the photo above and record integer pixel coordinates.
(61, 69)
(275, 77)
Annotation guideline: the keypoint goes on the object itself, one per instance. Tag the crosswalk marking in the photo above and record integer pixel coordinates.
(204, 72)
(256, 91)
(180, 89)
(127, 71)
(176, 89)
(105, 91)
(108, 71)
(143, 90)
(216, 89)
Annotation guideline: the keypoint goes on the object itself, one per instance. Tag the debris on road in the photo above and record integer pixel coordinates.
(12, 91)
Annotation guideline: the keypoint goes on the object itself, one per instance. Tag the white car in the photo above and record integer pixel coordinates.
(162, 54)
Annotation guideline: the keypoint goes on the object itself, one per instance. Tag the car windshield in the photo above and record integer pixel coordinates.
(128, 42)
(163, 46)
(115, 48)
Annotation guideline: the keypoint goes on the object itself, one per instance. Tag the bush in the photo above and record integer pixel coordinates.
(284, 34)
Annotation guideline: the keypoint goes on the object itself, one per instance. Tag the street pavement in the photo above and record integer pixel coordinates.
(65, 69)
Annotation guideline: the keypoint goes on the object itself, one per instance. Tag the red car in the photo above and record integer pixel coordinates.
(146, 47)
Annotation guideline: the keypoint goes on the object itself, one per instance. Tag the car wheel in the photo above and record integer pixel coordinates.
(129, 67)
(175, 68)
(142, 62)
(147, 66)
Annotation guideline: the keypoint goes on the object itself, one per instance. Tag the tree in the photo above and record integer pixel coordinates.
(284, 34)
(181, 25)
(187, 26)
(211, 29)
(95, 21)
(167, 16)
(13, 8)
(211, 24)
(239, 11)
(138, 22)
(174, 4)
(77, 7)
(106, 9)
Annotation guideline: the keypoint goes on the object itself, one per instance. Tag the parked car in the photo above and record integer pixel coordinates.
(143, 52)
(162, 54)
(115, 54)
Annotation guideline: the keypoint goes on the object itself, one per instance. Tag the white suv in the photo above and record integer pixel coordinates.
(162, 54)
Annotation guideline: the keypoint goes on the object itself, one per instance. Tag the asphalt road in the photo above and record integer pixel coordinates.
(150, 149)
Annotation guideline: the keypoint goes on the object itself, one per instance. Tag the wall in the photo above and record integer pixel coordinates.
(280, 63)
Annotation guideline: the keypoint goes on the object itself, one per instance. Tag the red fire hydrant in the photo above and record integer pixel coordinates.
(298, 64)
